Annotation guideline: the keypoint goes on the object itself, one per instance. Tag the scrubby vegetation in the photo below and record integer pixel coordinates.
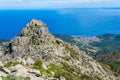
(109, 43)
(12, 77)
(38, 65)
(9, 64)
(111, 59)
(65, 70)
(108, 49)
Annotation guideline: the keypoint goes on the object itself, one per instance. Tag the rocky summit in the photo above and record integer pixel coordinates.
(35, 54)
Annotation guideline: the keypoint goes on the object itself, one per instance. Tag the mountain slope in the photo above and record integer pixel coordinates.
(104, 48)
(85, 44)
(109, 43)
(36, 48)
(105, 43)
(112, 59)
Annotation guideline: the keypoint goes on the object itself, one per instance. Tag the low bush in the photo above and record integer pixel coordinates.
(9, 64)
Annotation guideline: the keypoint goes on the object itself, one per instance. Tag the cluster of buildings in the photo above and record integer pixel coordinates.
(86, 40)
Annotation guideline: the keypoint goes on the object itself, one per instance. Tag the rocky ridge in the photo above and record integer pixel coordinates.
(37, 55)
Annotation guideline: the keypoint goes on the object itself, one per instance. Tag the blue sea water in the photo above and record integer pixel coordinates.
(85, 22)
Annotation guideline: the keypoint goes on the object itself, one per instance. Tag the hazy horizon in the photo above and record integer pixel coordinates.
(57, 4)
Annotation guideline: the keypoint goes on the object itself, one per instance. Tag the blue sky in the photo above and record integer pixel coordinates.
(56, 4)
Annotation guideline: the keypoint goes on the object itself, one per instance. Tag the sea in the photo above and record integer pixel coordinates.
(80, 21)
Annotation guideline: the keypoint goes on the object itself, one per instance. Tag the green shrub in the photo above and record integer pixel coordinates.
(64, 71)
(73, 53)
(9, 64)
(67, 58)
(66, 66)
(65, 74)
(38, 62)
(38, 65)
(53, 67)
(58, 42)
(85, 77)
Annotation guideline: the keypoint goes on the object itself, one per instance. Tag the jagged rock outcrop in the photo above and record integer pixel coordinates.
(35, 47)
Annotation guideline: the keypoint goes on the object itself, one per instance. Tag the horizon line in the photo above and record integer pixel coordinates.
(64, 8)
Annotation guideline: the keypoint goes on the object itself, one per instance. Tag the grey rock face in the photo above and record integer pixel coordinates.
(0, 78)
(61, 78)
(1, 65)
(3, 71)
(35, 42)
(19, 70)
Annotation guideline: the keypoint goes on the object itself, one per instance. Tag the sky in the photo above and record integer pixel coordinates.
(56, 4)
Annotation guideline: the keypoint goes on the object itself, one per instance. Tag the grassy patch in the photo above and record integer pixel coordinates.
(53, 67)
(65, 74)
(38, 65)
(65, 71)
(38, 62)
(9, 64)
(85, 77)
(67, 58)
